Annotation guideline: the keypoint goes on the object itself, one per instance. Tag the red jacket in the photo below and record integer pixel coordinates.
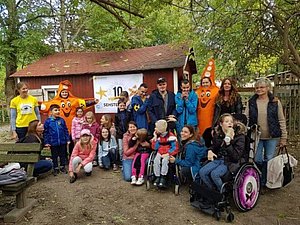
(166, 144)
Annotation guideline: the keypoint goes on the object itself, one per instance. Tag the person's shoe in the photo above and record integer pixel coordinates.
(63, 170)
(55, 172)
(133, 180)
(95, 163)
(162, 182)
(88, 173)
(115, 167)
(140, 181)
(101, 165)
(73, 179)
(156, 181)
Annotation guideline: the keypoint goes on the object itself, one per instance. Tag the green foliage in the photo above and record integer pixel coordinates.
(262, 65)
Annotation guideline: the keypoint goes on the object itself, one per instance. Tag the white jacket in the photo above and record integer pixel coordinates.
(275, 170)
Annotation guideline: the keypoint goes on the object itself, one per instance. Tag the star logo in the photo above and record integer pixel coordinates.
(101, 93)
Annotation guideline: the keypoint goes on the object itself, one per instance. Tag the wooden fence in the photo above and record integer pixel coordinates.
(287, 88)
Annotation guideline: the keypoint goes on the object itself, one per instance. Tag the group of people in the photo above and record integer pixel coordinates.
(161, 122)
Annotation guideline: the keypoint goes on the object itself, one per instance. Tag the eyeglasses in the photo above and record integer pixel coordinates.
(260, 87)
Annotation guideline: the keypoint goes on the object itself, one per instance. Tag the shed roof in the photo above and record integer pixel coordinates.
(76, 63)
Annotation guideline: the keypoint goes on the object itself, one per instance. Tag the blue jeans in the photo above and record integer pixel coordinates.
(21, 132)
(109, 159)
(59, 151)
(265, 151)
(42, 166)
(213, 171)
(127, 163)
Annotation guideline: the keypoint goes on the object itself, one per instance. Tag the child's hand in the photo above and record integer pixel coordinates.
(78, 168)
(211, 155)
(172, 159)
(230, 133)
(165, 155)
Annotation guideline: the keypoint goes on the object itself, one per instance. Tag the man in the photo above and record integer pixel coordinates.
(162, 103)
(139, 106)
(186, 105)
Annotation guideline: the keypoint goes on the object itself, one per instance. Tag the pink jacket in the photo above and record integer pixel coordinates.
(128, 153)
(87, 155)
(76, 127)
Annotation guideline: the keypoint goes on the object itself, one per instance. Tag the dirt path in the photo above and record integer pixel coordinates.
(104, 198)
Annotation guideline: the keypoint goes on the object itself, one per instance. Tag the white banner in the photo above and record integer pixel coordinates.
(108, 88)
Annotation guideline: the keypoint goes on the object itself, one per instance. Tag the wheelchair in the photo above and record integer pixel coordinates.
(173, 176)
(243, 186)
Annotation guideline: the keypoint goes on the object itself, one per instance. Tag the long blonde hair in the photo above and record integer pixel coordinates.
(89, 144)
(91, 114)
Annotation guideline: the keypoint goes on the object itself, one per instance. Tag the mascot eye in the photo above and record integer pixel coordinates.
(202, 94)
(69, 104)
(63, 105)
(207, 94)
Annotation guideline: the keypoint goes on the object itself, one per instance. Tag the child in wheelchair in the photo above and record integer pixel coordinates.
(166, 145)
(140, 157)
(225, 154)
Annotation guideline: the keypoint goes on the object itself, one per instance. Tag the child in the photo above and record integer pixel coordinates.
(107, 150)
(91, 124)
(225, 153)
(77, 123)
(140, 157)
(166, 145)
(122, 119)
(56, 136)
(83, 155)
(106, 121)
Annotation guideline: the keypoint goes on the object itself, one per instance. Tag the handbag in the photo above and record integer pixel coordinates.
(280, 169)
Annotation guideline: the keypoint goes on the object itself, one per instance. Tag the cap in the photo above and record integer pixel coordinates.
(85, 132)
(161, 80)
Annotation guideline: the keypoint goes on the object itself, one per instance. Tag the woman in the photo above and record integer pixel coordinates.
(192, 154)
(23, 110)
(129, 148)
(228, 100)
(266, 111)
(35, 135)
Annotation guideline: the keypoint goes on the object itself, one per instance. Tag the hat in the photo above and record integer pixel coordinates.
(161, 126)
(85, 132)
(161, 80)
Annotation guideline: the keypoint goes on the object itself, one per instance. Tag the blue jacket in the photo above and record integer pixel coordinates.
(56, 132)
(156, 108)
(187, 109)
(192, 154)
(139, 111)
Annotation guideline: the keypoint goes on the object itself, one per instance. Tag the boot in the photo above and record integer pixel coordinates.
(162, 182)
(156, 181)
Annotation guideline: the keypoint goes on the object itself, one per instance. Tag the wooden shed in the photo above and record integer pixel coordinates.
(82, 68)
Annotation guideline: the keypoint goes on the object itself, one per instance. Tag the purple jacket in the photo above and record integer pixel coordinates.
(94, 128)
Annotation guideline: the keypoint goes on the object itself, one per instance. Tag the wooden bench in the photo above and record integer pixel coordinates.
(28, 153)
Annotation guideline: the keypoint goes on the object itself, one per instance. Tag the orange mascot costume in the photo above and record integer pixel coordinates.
(68, 103)
(207, 98)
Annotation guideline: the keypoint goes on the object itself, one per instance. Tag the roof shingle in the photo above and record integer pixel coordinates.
(75, 63)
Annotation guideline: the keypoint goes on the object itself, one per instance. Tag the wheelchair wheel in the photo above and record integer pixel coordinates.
(246, 188)
(150, 174)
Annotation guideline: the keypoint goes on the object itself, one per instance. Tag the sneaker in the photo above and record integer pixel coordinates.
(55, 172)
(133, 180)
(95, 163)
(63, 170)
(101, 166)
(115, 167)
(162, 182)
(88, 173)
(140, 181)
(156, 181)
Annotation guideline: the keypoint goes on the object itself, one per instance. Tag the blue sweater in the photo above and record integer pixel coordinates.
(56, 132)
(139, 109)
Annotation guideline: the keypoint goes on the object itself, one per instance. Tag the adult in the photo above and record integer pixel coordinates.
(23, 110)
(139, 106)
(186, 105)
(191, 154)
(266, 111)
(207, 94)
(35, 135)
(161, 103)
(129, 148)
(228, 100)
